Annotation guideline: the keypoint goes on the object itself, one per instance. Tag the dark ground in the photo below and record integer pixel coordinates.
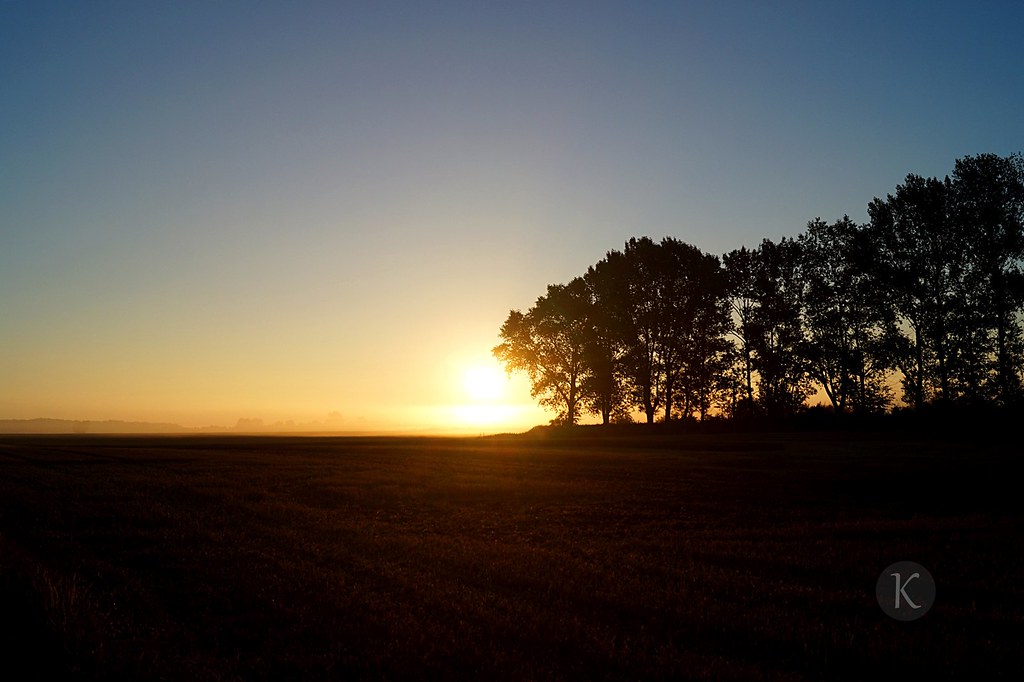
(669, 557)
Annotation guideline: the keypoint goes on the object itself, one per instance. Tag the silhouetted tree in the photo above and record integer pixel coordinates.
(549, 344)
(987, 195)
(933, 287)
(844, 318)
(920, 257)
(669, 308)
(643, 322)
(673, 285)
(700, 306)
(741, 288)
(768, 293)
(606, 347)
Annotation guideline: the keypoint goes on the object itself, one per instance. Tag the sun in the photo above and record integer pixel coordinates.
(491, 401)
(483, 383)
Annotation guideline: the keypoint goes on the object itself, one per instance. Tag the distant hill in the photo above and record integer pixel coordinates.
(75, 426)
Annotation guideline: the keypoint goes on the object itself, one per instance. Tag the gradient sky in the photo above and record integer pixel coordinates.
(279, 210)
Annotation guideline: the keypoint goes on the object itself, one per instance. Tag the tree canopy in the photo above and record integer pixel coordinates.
(928, 294)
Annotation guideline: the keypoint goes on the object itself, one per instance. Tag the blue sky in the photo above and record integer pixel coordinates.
(214, 210)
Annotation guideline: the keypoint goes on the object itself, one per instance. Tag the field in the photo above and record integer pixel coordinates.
(743, 557)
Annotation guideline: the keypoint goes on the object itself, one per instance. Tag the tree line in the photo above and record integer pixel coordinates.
(923, 304)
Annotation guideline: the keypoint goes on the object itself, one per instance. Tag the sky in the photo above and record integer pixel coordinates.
(322, 212)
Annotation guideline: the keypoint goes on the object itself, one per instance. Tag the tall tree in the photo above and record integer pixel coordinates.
(549, 344)
(741, 285)
(643, 321)
(701, 311)
(774, 330)
(919, 260)
(672, 315)
(844, 318)
(671, 264)
(988, 209)
(606, 348)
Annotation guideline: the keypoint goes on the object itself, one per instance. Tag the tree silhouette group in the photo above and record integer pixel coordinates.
(927, 296)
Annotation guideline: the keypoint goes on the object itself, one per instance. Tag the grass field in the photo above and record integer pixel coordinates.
(742, 557)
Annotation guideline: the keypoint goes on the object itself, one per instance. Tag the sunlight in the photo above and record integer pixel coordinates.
(484, 383)
(484, 415)
(476, 418)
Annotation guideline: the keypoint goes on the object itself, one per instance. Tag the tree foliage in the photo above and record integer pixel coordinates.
(549, 343)
(930, 292)
(844, 317)
(948, 252)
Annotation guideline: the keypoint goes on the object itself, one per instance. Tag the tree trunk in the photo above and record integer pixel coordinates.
(648, 406)
(668, 400)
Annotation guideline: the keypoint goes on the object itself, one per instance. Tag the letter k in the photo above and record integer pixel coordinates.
(903, 590)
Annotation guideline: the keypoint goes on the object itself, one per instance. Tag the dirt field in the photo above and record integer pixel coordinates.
(689, 557)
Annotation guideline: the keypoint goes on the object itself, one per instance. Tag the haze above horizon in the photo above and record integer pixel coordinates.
(224, 211)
